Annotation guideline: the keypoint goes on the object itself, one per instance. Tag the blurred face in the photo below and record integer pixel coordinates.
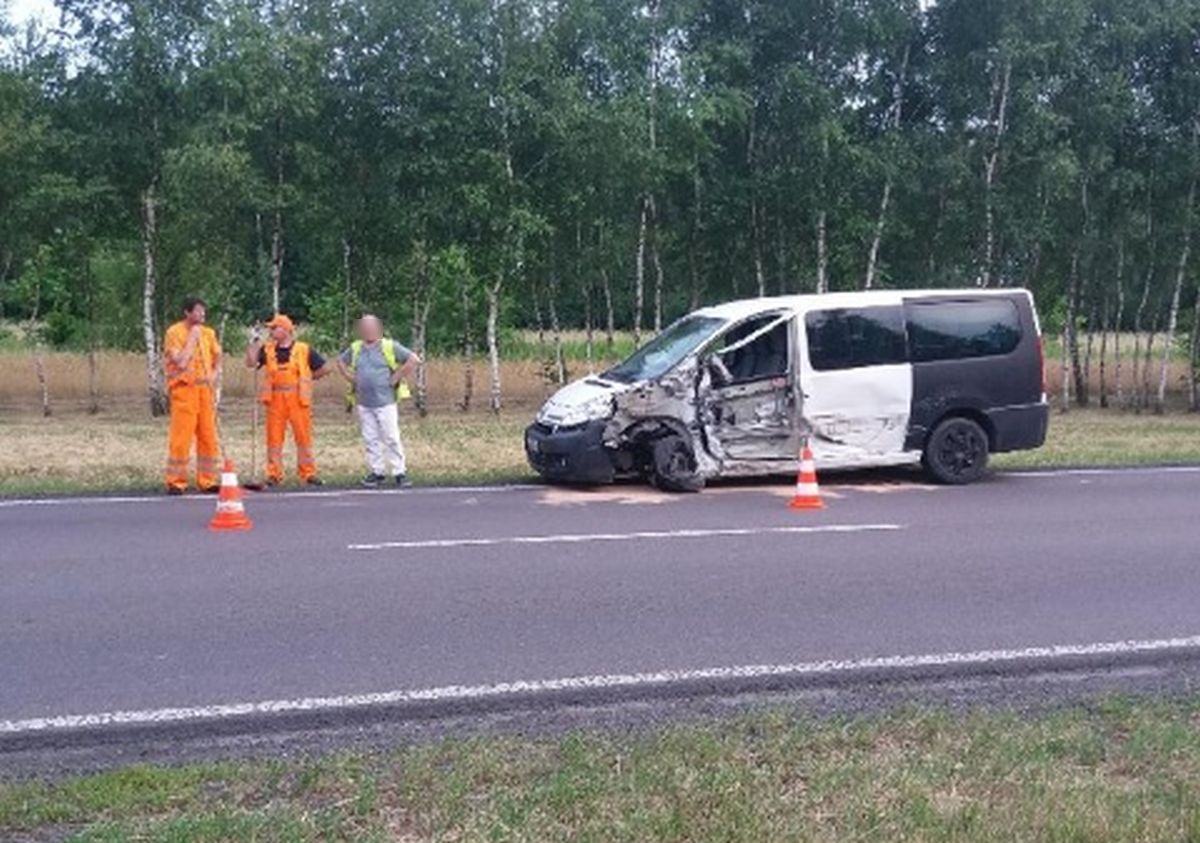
(280, 334)
(196, 315)
(370, 329)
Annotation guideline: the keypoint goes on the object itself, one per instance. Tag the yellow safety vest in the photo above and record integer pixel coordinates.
(389, 356)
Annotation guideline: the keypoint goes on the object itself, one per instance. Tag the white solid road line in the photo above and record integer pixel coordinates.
(582, 538)
(273, 495)
(8, 503)
(1102, 472)
(618, 681)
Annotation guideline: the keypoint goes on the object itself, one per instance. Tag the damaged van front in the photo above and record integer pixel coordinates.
(632, 420)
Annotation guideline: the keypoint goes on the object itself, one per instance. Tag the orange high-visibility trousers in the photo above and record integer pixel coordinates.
(193, 419)
(285, 410)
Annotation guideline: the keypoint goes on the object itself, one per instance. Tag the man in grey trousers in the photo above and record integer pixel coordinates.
(376, 367)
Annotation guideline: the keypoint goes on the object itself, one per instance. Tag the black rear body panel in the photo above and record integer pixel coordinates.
(1003, 391)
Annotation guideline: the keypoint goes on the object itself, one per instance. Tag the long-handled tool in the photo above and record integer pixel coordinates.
(255, 483)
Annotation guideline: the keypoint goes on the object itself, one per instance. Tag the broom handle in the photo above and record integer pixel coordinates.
(254, 430)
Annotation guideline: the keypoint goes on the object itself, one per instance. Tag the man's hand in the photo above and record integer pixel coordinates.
(409, 366)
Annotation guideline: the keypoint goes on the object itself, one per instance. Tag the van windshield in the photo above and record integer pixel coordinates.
(664, 352)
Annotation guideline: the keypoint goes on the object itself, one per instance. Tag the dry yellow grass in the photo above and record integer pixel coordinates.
(74, 451)
(121, 382)
(126, 449)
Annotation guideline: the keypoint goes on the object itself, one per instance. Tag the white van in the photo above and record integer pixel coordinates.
(885, 378)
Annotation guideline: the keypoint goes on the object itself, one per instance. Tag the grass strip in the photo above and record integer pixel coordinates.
(1122, 770)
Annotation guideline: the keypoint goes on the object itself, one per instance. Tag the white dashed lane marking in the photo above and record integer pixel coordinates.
(641, 535)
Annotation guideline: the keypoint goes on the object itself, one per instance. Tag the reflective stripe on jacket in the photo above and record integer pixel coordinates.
(295, 374)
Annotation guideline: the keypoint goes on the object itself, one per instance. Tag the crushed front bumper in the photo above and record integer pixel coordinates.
(569, 454)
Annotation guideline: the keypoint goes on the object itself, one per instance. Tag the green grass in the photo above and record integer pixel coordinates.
(1112, 438)
(123, 451)
(1120, 771)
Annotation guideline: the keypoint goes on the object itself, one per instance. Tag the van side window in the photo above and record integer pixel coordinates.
(951, 330)
(852, 337)
(764, 357)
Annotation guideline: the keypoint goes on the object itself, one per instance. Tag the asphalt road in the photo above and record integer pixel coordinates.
(118, 612)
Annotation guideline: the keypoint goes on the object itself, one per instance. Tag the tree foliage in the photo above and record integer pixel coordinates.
(598, 162)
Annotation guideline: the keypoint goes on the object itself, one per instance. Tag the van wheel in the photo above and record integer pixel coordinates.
(673, 465)
(956, 452)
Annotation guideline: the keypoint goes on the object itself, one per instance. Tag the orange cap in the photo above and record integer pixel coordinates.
(281, 321)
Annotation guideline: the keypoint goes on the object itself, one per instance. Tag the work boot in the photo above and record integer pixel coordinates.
(273, 482)
(314, 481)
(372, 480)
(402, 481)
(175, 491)
(210, 490)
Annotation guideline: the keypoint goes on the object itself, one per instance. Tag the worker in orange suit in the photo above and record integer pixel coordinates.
(286, 389)
(192, 357)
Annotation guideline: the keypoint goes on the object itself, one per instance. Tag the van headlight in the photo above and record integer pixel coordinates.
(596, 409)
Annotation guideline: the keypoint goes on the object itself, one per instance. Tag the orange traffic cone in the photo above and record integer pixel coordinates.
(231, 515)
(808, 495)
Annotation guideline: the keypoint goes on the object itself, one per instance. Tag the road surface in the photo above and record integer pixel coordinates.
(125, 612)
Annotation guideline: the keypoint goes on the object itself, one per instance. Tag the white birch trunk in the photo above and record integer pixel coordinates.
(877, 237)
(1194, 358)
(588, 330)
(1104, 329)
(610, 329)
(1000, 86)
(93, 375)
(892, 120)
(468, 347)
(493, 345)
(1066, 369)
(822, 254)
(422, 301)
(1177, 291)
(277, 232)
(697, 237)
(347, 290)
(93, 390)
(154, 370)
(656, 260)
(1147, 362)
(1160, 399)
(1117, 323)
(560, 367)
(639, 277)
(39, 368)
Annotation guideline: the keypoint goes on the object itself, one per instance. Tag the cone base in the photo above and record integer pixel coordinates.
(233, 524)
(806, 503)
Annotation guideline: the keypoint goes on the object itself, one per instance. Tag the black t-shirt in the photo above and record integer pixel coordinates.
(283, 355)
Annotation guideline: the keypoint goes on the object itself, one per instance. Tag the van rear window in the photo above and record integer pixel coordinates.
(951, 330)
(848, 338)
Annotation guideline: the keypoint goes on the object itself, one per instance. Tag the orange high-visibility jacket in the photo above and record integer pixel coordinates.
(199, 370)
(296, 371)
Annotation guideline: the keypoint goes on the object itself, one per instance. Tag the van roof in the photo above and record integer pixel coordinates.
(743, 308)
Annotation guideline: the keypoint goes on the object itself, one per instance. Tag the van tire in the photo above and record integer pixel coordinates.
(673, 465)
(956, 452)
